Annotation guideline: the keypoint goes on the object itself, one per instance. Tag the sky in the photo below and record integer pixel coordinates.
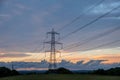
(24, 24)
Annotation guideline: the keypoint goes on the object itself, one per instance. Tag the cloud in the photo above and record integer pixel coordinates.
(38, 18)
(12, 55)
(23, 7)
(93, 65)
(4, 15)
(111, 58)
(20, 9)
(114, 17)
(27, 22)
(105, 7)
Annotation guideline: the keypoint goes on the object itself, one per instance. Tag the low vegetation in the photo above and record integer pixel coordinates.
(62, 74)
(61, 77)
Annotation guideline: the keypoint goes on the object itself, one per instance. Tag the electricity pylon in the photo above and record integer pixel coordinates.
(53, 51)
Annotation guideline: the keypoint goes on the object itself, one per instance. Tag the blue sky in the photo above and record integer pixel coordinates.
(24, 23)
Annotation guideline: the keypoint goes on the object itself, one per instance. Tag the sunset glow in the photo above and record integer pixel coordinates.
(73, 32)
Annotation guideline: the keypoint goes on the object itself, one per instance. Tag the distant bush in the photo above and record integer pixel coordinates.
(59, 71)
(63, 71)
(14, 72)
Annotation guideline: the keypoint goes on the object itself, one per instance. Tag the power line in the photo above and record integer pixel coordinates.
(77, 18)
(42, 46)
(87, 25)
(93, 48)
(41, 50)
(102, 45)
(93, 38)
(35, 49)
(36, 56)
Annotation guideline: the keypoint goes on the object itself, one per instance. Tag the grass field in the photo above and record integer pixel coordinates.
(62, 77)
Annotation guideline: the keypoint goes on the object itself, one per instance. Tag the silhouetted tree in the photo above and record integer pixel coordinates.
(59, 71)
(7, 72)
(64, 71)
(4, 71)
(14, 72)
(99, 71)
(112, 71)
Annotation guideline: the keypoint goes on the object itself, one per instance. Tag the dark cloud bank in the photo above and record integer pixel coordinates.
(80, 65)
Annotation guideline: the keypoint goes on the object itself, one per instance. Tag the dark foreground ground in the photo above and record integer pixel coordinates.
(61, 77)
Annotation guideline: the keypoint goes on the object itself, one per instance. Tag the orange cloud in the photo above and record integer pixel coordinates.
(112, 58)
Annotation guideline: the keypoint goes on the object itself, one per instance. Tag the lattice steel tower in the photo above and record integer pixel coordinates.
(53, 42)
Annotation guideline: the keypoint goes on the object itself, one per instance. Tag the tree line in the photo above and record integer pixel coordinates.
(7, 72)
(112, 71)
